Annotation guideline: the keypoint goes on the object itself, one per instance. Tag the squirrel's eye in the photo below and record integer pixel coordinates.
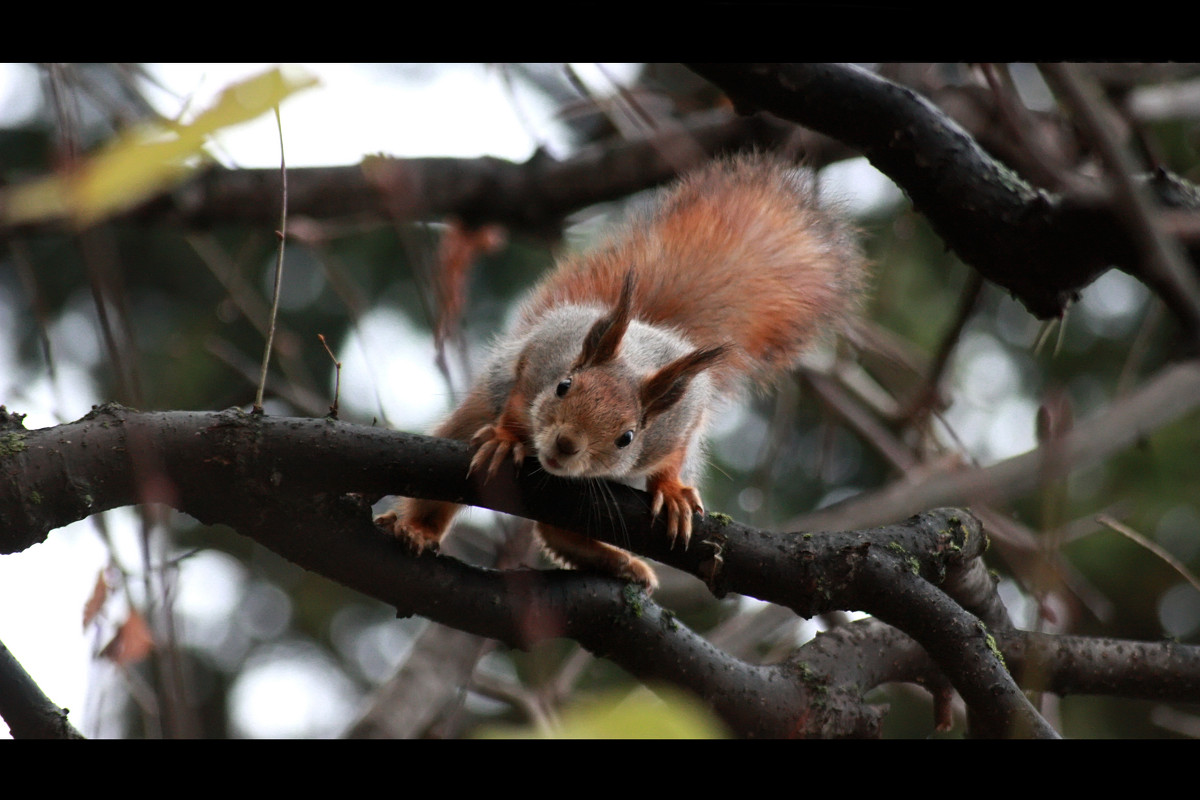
(563, 386)
(624, 439)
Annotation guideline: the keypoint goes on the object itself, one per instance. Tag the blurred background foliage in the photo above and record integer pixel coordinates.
(269, 650)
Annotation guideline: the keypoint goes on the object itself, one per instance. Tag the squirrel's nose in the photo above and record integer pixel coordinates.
(566, 445)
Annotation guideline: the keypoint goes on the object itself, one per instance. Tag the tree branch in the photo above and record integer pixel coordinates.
(534, 196)
(1161, 400)
(28, 712)
(1043, 248)
(286, 482)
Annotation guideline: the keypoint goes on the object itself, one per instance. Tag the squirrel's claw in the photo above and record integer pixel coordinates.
(681, 502)
(640, 573)
(493, 444)
(412, 534)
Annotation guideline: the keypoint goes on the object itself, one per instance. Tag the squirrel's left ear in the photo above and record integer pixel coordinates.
(667, 387)
(601, 343)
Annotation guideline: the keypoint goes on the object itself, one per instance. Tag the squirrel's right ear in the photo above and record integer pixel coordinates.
(604, 338)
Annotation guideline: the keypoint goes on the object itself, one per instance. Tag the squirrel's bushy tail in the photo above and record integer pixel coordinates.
(738, 251)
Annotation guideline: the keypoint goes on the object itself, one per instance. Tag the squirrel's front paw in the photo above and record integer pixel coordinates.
(681, 502)
(492, 444)
(412, 533)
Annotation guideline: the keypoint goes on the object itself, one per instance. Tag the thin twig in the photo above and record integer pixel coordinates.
(1162, 260)
(304, 400)
(861, 421)
(115, 329)
(337, 380)
(928, 396)
(282, 234)
(22, 262)
(1133, 535)
(1164, 397)
(1139, 347)
(1057, 327)
(1016, 119)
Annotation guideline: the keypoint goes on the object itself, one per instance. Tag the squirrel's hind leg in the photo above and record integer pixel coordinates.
(422, 523)
(583, 553)
(419, 523)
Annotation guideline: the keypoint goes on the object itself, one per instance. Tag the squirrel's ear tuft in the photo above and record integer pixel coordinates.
(667, 387)
(604, 339)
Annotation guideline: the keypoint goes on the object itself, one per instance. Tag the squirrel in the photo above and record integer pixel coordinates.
(617, 358)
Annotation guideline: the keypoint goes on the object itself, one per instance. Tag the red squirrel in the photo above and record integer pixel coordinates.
(620, 354)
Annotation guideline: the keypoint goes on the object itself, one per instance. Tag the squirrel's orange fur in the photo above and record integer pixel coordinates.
(619, 353)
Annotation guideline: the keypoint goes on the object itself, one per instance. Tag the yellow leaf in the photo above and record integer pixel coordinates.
(131, 171)
(666, 713)
(148, 159)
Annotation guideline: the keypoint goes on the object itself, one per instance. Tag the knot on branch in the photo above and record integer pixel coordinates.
(11, 421)
(109, 409)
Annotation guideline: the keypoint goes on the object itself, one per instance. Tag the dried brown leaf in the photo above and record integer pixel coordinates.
(96, 601)
(132, 643)
(459, 248)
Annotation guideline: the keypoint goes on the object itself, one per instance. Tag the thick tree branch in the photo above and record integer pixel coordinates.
(213, 466)
(28, 712)
(285, 482)
(1114, 667)
(1163, 264)
(1043, 248)
(534, 196)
